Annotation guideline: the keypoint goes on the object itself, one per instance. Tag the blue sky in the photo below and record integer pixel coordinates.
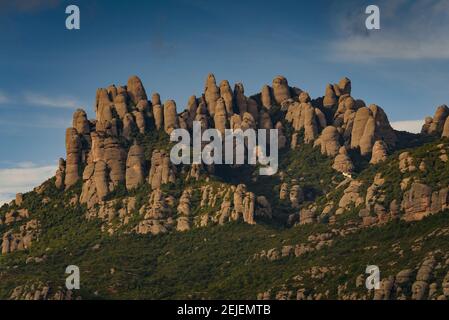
(48, 71)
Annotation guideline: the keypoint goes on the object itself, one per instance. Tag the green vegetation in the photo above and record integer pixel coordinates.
(217, 262)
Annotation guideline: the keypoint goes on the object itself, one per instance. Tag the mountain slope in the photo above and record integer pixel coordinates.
(350, 192)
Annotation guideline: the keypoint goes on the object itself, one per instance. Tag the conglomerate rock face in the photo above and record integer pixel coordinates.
(106, 153)
(98, 156)
(118, 171)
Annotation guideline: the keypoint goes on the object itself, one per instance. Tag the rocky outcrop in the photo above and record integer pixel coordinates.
(220, 116)
(296, 196)
(158, 114)
(155, 99)
(228, 97)
(135, 89)
(211, 93)
(40, 291)
(21, 239)
(302, 116)
(330, 98)
(115, 158)
(73, 162)
(129, 127)
(379, 153)
(329, 141)
(266, 97)
(156, 214)
(170, 116)
(306, 216)
(105, 170)
(231, 203)
(80, 122)
(436, 125)
(60, 174)
(14, 216)
(406, 163)
(162, 170)
(281, 90)
(371, 124)
(135, 170)
(419, 201)
(240, 98)
(343, 87)
(445, 133)
(244, 205)
(343, 162)
(351, 196)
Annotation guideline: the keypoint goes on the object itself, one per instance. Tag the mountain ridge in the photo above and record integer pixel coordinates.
(344, 172)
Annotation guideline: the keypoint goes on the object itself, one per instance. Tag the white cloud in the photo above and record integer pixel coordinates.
(22, 178)
(410, 30)
(413, 126)
(51, 102)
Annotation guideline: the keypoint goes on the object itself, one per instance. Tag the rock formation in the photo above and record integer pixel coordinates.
(435, 125)
(371, 124)
(342, 162)
(329, 141)
(281, 90)
(135, 173)
(379, 153)
(211, 93)
(136, 90)
(161, 171)
(73, 162)
(170, 116)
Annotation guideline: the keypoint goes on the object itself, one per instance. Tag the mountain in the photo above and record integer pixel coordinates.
(350, 192)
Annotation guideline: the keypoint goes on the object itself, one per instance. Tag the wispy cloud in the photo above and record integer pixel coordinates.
(22, 178)
(410, 30)
(42, 121)
(413, 126)
(3, 98)
(51, 102)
